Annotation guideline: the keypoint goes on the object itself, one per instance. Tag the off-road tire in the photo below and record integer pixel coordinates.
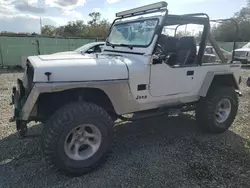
(205, 109)
(59, 126)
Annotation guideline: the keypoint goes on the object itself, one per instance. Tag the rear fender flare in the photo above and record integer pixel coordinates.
(211, 76)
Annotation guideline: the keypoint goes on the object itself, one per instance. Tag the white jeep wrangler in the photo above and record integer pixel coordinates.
(141, 71)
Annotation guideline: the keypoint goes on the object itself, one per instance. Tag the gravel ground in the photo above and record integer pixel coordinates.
(170, 153)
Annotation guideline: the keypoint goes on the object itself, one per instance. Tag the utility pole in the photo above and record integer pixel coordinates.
(40, 5)
(41, 25)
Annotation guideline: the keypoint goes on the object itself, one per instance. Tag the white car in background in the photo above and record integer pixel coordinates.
(210, 50)
(243, 54)
(93, 47)
(211, 56)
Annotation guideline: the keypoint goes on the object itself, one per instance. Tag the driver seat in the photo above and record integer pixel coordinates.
(169, 45)
(186, 53)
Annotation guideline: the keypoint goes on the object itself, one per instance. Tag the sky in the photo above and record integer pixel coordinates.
(24, 15)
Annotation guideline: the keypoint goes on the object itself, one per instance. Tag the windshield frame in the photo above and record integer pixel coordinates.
(134, 21)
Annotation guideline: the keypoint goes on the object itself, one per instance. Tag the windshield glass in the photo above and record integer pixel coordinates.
(136, 33)
(84, 47)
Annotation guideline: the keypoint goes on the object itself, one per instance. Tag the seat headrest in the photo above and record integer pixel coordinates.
(169, 43)
(187, 41)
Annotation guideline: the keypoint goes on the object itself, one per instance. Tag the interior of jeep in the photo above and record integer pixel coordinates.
(178, 51)
(181, 50)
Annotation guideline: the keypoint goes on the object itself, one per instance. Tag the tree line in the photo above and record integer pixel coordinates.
(225, 32)
(98, 28)
(95, 28)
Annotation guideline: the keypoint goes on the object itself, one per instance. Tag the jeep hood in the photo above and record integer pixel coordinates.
(79, 67)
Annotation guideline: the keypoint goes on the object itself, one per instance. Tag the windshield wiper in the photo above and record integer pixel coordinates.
(126, 45)
(110, 44)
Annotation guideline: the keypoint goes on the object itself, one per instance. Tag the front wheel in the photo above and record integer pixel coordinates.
(77, 138)
(216, 112)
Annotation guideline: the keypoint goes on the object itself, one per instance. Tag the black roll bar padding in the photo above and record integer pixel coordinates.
(217, 48)
(203, 42)
(237, 32)
(159, 30)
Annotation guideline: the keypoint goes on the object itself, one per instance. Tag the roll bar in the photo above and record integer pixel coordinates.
(212, 40)
(236, 32)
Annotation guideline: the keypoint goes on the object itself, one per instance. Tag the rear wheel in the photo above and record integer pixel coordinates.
(216, 112)
(77, 138)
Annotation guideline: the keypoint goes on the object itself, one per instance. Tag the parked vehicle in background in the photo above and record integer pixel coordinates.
(93, 47)
(90, 48)
(243, 54)
(211, 55)
(210, 50)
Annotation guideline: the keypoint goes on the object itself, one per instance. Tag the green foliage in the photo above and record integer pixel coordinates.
(226, 31)
(96, 27)
(48, 30)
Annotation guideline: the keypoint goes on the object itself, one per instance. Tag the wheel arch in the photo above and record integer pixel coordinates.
(55, 100)
(117, 93)
(217, 79)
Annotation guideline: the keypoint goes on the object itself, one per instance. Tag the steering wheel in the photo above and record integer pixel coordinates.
(159, 51)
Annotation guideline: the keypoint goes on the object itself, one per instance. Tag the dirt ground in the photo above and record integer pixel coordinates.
(159, 152)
